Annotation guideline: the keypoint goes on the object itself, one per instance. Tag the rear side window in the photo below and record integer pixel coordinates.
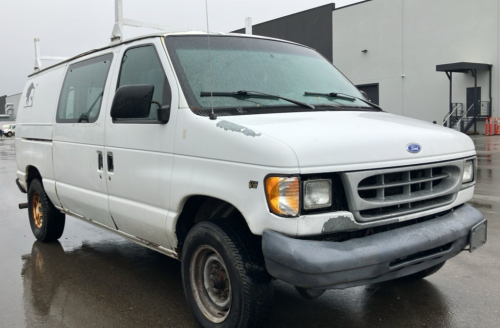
(83, 88)
(141, 65)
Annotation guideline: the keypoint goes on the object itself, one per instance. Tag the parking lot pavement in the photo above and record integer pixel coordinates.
(93, 278)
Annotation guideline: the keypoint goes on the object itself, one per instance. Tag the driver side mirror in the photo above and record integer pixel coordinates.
(132, 101)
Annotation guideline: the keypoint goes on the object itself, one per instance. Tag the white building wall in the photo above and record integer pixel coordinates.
(410, 38)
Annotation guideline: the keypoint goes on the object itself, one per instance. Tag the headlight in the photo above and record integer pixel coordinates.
(317, 194)
(283, 195)
(468, 175)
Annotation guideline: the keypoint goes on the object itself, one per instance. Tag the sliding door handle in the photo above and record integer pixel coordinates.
(111, 166)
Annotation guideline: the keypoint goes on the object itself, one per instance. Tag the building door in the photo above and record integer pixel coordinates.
(371, 90)
(470, 100)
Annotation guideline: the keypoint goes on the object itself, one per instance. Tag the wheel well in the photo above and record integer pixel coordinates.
(32, 173)
(204, 208)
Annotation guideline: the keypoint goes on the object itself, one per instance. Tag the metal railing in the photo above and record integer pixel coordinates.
(463, 121)
(454, 115)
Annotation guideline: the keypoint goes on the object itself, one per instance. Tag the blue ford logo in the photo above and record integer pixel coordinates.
(413, 148)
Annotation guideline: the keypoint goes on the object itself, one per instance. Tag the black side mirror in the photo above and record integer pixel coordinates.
(164, 114)
(132, 101)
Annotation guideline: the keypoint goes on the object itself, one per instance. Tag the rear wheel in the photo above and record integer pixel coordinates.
(224, 277)
(47, 222)
(425, 273)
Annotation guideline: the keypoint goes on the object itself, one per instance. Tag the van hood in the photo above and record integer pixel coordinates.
(358, 140)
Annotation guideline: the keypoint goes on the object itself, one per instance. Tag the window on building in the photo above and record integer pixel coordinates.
(83, 89)
(371, 91)
(141, 65)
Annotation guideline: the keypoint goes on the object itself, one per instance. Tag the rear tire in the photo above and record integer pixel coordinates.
(425, 273)
(46, 221)
(224, 276)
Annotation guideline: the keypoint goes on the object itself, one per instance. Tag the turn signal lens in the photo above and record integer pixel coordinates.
(283, 195)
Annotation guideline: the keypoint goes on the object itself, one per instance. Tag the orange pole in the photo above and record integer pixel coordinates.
(491, 126)
(486, 126)
(497, 131)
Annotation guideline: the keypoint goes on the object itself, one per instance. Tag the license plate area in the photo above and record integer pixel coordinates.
(478, 235)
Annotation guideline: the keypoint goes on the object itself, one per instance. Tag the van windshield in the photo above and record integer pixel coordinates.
(242, 67)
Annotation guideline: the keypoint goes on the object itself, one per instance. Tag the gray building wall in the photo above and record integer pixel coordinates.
(15, 100)
(410, 38)
(311, 27)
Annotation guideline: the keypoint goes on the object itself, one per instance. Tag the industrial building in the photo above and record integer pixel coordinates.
(9, 106)
(417, 58)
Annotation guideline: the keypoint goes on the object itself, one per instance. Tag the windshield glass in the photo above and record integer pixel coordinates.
(249, 64)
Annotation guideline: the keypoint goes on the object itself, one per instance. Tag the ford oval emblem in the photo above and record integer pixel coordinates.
(414, 148)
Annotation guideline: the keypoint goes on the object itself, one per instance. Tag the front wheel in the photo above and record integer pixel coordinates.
(224, 277)
(9, 134)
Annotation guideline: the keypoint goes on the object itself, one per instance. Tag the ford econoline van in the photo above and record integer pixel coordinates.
(247, 158)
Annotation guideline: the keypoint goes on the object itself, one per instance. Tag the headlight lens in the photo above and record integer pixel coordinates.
(468, 175)
(317, 194)
(283, 195)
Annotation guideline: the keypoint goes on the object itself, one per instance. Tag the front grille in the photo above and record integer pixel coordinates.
(381, 194)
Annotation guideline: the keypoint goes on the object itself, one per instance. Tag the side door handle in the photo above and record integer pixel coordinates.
(111, 166)
(100, 162)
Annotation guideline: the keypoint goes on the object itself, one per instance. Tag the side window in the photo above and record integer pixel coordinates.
(141, 65)
(82, 91)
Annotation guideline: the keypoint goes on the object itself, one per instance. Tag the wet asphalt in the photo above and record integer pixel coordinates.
(92, 278)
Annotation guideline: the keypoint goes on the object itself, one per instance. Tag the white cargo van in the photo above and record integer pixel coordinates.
(250, 160)
(8, 130)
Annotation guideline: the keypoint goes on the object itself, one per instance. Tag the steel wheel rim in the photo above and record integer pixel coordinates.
(37, 211)
(210, 284)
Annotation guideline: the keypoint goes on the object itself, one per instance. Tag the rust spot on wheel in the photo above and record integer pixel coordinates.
(37, 210)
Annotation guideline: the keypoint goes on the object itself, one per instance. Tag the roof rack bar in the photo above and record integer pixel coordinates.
(39, 57)
(117, 32)
(248, 25)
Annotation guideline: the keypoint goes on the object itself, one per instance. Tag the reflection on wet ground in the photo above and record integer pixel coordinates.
(92, 278)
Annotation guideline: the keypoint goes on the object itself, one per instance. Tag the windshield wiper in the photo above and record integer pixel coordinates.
(342, 96)
(253, 94)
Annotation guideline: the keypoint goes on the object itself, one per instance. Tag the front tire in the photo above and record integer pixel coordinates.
(9, 134)
(224, 276)
(46, 221)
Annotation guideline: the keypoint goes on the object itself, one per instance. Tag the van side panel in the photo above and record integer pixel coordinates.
(35, 120)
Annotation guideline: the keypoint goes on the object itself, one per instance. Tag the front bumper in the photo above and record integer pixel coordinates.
(361, 261)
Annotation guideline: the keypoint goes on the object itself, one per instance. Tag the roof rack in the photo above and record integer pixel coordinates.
(117, 33)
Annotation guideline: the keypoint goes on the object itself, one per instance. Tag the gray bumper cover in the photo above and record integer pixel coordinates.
(361, 261)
